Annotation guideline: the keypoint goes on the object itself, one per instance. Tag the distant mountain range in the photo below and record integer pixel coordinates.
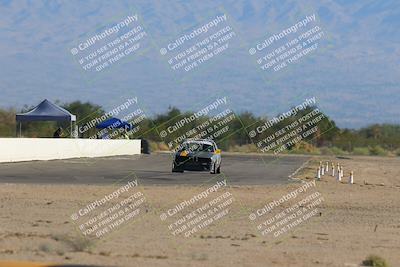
(354, 73)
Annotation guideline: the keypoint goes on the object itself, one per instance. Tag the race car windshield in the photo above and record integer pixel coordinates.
(194, 147)
(208, 148)
(197, 147)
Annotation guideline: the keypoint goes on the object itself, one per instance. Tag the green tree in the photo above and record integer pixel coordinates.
(85, 113)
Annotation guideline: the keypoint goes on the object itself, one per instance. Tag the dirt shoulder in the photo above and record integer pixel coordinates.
(352, 222)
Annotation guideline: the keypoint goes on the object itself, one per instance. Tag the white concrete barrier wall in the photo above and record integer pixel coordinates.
(26, 149)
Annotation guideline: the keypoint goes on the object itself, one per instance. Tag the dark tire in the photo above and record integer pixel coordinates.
(145, 147)
(174, 169)
(177, 170)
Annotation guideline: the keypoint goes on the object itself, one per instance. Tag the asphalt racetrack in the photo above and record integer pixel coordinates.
(150, 170)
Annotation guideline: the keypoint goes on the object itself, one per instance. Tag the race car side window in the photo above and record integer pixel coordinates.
(208, 148)
(182, 147)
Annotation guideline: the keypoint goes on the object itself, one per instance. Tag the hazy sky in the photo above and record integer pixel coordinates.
(353, 71)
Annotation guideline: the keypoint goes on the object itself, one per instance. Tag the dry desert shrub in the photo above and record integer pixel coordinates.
(375, 261)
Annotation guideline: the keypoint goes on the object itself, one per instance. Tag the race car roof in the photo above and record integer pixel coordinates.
(200, 141)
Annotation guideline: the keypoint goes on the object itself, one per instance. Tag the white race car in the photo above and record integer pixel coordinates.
(197, 155)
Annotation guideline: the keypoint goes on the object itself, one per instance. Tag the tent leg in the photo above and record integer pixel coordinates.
(20, 130)
(70, 129)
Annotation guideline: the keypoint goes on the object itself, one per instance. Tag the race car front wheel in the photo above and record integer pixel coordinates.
(175, 169)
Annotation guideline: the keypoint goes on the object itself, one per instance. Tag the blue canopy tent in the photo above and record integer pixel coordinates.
(46, 111)
(113, 123)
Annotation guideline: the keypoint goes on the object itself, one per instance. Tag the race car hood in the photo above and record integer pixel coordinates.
(200, 154)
